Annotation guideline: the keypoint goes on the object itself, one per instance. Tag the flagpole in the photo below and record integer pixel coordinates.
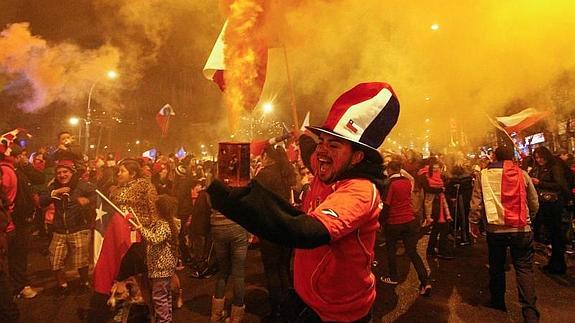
(122, 213)
(291, 90)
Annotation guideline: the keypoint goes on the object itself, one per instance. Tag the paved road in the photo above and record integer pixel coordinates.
(460, 290)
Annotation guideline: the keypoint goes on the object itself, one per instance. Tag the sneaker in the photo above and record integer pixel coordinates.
(388, 280)
(28, 292)
(425, 290)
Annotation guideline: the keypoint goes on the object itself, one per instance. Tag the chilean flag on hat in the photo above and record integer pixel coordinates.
(364, 115)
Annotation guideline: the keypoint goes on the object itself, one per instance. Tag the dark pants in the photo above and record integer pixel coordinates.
(409, 233)
(551, 216)
(8, 309)
(439, 231)
(521, 247)
(294, 310)
(461, 215)
(276, 260)
(231, 248)
(19, 241)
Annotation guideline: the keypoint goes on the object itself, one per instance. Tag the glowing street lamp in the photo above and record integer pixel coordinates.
(434, 27)
(74, 121)
(268, 107)
(112, 75)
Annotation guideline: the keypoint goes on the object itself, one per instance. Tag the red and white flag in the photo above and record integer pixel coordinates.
(9, 137)
(163, 118)
(504, 195)
(215, 66)
(522, 120)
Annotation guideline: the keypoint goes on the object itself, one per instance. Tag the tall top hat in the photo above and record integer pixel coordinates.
(363, 115)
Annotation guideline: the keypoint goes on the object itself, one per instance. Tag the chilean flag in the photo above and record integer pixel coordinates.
(113, 237)
(215, 66)
(504, 195)
(522, 120)
(10, 136)
(163, 118)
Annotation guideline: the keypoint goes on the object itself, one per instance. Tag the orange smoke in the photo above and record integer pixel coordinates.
(245, 58)
(53, 73)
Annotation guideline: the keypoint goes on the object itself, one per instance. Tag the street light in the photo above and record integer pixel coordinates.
(74, 121)
(435, 27)
(110, 75)
(268, 107)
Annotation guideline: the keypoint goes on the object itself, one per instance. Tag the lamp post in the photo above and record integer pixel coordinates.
(110, 75)
(75, 121)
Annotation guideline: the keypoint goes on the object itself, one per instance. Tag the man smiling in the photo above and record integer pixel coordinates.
(334, 233)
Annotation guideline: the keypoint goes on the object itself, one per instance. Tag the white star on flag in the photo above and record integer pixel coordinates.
(100, 212)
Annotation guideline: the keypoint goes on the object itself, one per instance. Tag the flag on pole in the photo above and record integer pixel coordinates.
(522, 120)
(181, 153)
(103, 215)
(150, 154)
(116, 238)
(163, 118)
(215, 65)
(9, 137)
(214, 68)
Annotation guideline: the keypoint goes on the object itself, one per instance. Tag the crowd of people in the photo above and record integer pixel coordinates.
(326, 212)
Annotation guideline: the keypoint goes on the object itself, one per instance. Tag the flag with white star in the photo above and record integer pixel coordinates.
(104, 213)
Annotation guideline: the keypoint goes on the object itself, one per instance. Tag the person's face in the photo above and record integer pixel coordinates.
(540, 160)
(22, 159)
(123, 175)
(64, 175)
(334, 156)
(564, 157)
(436, 168)
(65, 139)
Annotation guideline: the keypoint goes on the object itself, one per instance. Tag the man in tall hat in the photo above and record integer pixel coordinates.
(334, 233)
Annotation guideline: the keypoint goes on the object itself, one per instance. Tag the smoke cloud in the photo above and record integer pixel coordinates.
(445, 59)
(41, 73)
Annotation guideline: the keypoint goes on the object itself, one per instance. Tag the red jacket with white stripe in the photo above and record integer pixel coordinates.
(335, 280)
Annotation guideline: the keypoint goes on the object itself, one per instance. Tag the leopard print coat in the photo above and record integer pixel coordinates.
(160, 258)
(139, 194)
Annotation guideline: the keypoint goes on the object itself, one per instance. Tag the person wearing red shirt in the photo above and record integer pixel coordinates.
(400, 224)
(334, 232)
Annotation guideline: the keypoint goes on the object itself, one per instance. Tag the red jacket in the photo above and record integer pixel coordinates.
(335, 280)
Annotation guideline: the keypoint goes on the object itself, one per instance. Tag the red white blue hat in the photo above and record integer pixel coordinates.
(363, 115)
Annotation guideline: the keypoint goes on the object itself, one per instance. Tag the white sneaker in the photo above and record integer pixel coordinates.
(28, 292)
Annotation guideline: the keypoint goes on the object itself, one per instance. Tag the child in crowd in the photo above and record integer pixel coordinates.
(162, 254)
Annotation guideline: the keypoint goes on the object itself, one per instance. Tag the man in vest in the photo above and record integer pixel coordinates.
(334, 233)
(505, 197)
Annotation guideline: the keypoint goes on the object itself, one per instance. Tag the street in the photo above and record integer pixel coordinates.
(460, 292)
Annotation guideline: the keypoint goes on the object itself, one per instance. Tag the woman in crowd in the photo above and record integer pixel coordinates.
(458, 190)
(553, 190)
(231, 248)
(277, 175)
(436, 210)
(135, 192)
